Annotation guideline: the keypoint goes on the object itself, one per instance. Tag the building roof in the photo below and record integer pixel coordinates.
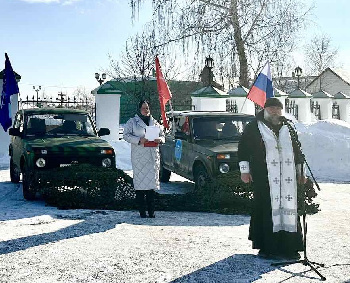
(340, 95)
(117, 87)
(298, 93)
(209, 91)
(279, 93)
(341, 74)
(239, 91)
(321, 94)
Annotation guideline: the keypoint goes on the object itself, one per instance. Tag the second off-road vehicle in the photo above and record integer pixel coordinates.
(201, 145)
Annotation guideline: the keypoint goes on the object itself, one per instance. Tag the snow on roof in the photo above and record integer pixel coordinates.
(238, 91)
(340, 95)
(278, 92)
(321, 94)
(299, 93)
(344, 74)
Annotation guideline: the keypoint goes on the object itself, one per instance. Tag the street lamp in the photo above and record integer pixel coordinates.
(298, 71)
(37, 92)
(209, 63)
(100, 79)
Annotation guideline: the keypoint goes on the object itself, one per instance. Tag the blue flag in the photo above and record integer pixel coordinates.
(10, 87)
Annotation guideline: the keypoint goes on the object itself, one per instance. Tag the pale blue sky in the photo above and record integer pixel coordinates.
(331, 17)
(63, 43)
(60, 44)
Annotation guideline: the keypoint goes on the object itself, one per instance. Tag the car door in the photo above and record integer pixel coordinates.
(183, 146)
(167, 150)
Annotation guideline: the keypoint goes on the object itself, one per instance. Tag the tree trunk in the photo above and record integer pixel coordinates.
(242, 57)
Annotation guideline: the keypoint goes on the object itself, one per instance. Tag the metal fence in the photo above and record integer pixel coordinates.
(292, 108)
(231, 106)
(82, 104)
(335, 111)
(316, 109)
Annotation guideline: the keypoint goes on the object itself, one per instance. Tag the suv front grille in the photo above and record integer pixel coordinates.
(58, 161)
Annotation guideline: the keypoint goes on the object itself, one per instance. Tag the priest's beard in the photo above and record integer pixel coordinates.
(274, 119)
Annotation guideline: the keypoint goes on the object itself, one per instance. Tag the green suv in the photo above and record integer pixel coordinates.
(201, 145)
(49, 138)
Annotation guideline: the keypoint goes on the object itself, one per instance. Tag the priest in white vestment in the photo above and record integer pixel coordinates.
(271, 160)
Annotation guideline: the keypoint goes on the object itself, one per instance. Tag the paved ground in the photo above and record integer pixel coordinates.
(43, 244)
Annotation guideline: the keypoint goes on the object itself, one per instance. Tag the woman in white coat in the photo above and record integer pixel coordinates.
(145, 158)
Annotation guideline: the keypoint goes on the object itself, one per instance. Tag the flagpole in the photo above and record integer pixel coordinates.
(244, 103)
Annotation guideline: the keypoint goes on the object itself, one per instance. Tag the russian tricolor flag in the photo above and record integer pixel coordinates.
(262, 87)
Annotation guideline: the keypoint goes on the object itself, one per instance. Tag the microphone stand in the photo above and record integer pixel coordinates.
(305, 261)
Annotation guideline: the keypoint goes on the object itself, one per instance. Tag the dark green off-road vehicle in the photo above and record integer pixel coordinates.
(201, 145)
(49, 138)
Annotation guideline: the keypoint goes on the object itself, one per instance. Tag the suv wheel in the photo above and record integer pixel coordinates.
(15, 174)
(164, 174)
(201, 177)
(28, 192)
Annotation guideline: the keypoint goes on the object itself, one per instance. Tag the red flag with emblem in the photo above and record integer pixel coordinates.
(163, 91)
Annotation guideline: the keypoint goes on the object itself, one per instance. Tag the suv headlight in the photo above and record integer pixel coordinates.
(224, 168)
(40, 162)
(106, 162)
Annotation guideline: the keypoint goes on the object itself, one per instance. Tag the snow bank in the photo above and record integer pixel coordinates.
(123, 154)
(326, 145)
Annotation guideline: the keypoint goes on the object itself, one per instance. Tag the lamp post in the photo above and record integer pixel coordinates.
(101, 78)
(37, 92)
(298, 71)
(209, 63)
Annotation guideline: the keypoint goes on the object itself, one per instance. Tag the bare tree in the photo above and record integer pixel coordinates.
(82, 94)
(242, 33)
(137, 60)
(320, 54)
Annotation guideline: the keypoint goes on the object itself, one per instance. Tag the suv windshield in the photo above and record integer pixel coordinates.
(219, 128)
(59, 124)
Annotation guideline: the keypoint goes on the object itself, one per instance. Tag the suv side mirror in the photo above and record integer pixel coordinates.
(15, 132)
(181, 136)
(103, 132)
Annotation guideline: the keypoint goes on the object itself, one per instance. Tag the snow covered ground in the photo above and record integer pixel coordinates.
(43, 244)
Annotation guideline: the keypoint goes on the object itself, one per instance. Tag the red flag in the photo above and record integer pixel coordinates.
(164, 92)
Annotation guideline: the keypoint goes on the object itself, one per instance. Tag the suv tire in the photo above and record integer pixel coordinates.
(28, 192)
(164, 174)
(15, 174)
(201, 177)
